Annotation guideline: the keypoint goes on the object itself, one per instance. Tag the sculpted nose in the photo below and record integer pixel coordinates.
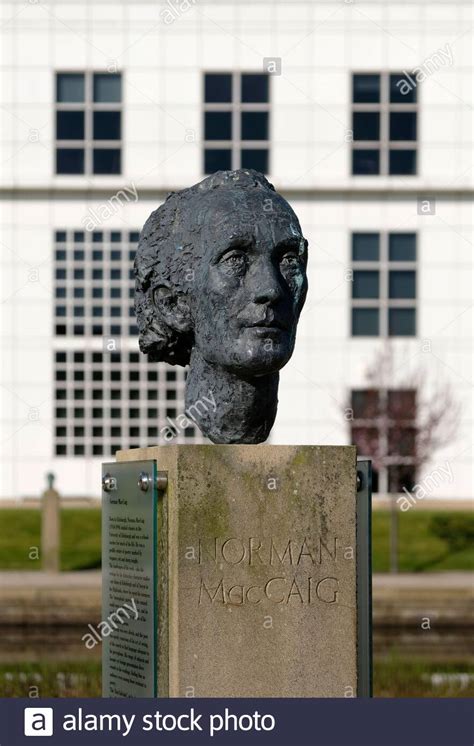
(266, 285)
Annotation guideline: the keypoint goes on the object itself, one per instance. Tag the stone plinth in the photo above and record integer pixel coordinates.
(256, 570)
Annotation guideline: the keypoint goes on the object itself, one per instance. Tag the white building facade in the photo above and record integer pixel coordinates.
(360, 113)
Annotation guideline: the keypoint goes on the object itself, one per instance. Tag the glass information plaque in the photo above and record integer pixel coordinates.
(129, 588)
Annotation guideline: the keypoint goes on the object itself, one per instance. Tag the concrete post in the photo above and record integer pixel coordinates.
(50, 528)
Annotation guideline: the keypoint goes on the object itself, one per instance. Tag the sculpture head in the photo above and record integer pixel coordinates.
(221, 274)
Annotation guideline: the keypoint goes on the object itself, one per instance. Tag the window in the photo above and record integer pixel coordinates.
(384, 285)
(94, 388)
(88, 123)
(384, 429)
(384, 124)
(236, 121)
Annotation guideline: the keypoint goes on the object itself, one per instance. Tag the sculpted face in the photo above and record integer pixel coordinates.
(220, 284)
(251, 284)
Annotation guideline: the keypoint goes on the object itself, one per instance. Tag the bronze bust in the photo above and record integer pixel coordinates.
(220, 283)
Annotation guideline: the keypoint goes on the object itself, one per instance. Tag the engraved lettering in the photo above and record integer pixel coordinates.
(323, 592)
(281, 559)
(241, 548)
(268, 592)
(212, 597)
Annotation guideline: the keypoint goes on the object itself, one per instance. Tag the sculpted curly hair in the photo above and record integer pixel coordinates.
(167, 248)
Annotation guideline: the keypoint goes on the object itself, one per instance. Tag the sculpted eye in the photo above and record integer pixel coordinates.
(234, 260)
(290, 259)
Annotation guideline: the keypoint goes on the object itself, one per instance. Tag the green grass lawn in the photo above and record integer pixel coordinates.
(395, 677)
(20, 534)
(420, 550)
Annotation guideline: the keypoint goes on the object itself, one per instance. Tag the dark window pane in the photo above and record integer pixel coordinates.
(69, 161)
(402, 322)
(107, 161)
(60, 357)
(60, 292)
(97, 450)
(61, 450)
(366, 125)
(254, 88)
(403, 125)
(60, 256)
(78, 292)
(79, 236)
(401, 441)
(217, 88)
(365, 247)
(366, 89)
(365, 322)
(365, 404)
(217, 125)
(401, 476)
(256, 159)
(70, 87)
(254, 125)
(107, 87)
(107, 125)
(402, 162)
(116, 256)
(402, 284)
(97, 255)
(366, 439)
(402, 89)
(216, 160)
(97, 236)
(401, 404)
(69, 125)
(365, 162)
(60, 236)
(365, 284)
(402, 247)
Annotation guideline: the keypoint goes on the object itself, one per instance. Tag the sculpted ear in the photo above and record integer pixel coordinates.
(173, 308)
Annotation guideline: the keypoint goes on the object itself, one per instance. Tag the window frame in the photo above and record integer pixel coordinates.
(236, 107)
(384, 266)
(88, 106)
(382, 424)
(384, 108)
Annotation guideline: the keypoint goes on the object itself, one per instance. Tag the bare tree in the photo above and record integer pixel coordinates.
(401, 421)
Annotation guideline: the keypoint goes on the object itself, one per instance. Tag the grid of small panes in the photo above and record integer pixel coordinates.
(384, 284)
(236, 121)
(94, 283)
(384, 124)
(105, 402)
